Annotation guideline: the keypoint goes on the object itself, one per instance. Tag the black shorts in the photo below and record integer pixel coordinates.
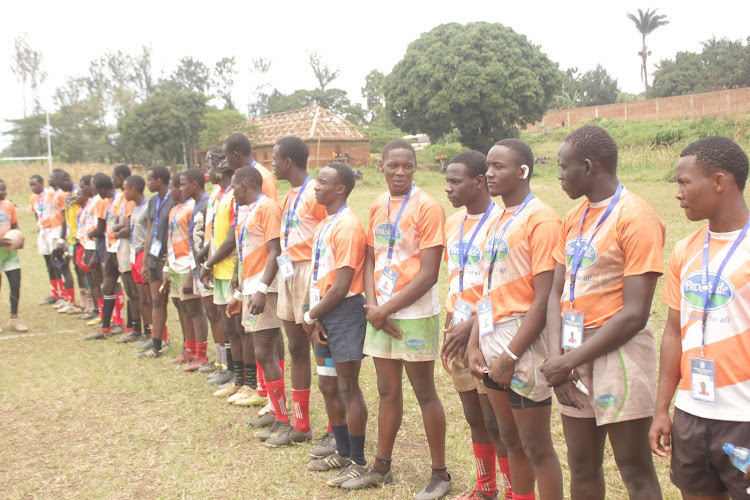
(110, 266)
(155, 267)
(345, 325)
(517, 402)
(699, 466)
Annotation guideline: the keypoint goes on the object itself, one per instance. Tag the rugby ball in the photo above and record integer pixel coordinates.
(16, 238)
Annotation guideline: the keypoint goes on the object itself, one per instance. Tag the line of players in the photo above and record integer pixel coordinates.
(535, 305)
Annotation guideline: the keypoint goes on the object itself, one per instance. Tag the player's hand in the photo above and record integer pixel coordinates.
(556, 370)
(308, 328)
(207, 276)
(187, 288)
(234, 283)
(257, 303)
(477, 363)
(501, 371)
(234, 307)
(660, 435)
(376, 316)
(166, 283)
(455, 341)
(5, 242)
(318, 334)
(566, 395)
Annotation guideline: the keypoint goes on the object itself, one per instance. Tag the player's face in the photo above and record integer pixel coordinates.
(279, 164)
(128, 191)
(459, 185)
(3, 191)
(399, 167)
(326, 186)
(503, 171)
(186, 188)
(241, 192)
(176, 193)
(573, 172)
(36, 186)
(117, 181)
(694, 189)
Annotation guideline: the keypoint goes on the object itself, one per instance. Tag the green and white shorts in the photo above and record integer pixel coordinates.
(420, 340)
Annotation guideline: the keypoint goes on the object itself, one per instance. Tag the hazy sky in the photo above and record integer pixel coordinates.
(355, 37)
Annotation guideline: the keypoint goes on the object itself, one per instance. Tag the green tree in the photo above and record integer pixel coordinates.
(597, 87)
(373, 94)
(484, 79)
(334, 100)
(27, 136)
(678, 76)
(646, 23)
(224, 72)
(191, 75)
(27, 66)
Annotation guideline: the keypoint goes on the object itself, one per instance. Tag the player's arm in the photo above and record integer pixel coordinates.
(369, 276)
(123, 231)
(101, 227)
(554, 312)
(429, 269)
(669, 379)
(258, 302)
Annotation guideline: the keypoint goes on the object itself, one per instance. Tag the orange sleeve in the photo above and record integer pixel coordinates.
(543, 240)
(318, 210)
(559, 252)
(13, 214)
(348, 246)
(672, 295)
(370, 240)
(642, 240)
(271, 224)
(60, 201)
(431, 225)
(101, 208)
(129, 205)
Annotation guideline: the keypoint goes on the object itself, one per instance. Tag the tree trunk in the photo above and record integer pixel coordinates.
(644, 67)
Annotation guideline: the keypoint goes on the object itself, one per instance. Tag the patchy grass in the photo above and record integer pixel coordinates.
(86, 419)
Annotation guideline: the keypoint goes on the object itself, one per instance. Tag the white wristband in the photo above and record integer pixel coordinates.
(237, 295)
(165, 269)
(308, 319)
(509, 353)
(206, 267)
(61, 240)
(262, 288)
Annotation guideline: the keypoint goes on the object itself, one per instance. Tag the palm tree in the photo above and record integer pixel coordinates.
(645, 23)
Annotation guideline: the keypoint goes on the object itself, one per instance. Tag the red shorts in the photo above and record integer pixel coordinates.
(135, 268)
(80, 260)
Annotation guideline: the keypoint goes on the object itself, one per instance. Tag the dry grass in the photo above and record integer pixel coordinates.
(83, 419)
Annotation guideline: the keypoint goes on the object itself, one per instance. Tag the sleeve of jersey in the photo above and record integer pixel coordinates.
(431, 225)
(13, 215)
(370, 227)
(271, 222)
(562, 235)
(101, 208)
(543, 241)
(642, 240)
(60, 201)
(269, 186)
(348, 246)
(672, 295)
(318, 210)
(129, 205)
(450, 229)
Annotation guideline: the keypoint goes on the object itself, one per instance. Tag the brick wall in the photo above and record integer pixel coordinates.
(722, 102)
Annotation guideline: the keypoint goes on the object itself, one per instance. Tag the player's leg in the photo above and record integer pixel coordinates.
(585, 441)
(633, 457)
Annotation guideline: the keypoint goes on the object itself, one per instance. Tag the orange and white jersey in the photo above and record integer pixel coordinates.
(89, 220)
(520, 253)
(473, 269)
(422, 226)
(259, 226)
(213, 198)
(727, 340)
(269, 182)
(8, 216)
(628, 243)
(57, 208)
(300, 221)
(342, 244)
(112, 213)
(178, 236)
(41, 205)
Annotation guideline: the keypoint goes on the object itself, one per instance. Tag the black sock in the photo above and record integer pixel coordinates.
(129, 324)
(147, 330)
(251, 376)
(157, 344)
(341, 433)
(239, 376)
(357, 444)
(137, 326)
(109, 306)
(230, 361)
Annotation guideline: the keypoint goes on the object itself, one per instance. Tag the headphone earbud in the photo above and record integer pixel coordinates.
(525, 169)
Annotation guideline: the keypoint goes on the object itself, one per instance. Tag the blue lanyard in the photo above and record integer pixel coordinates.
(215, 208)
(243, 227)
(192, 219)
(463, 256)
(394, 227)
(159, 201)
(288, 225)
(515, 214)
(321, 236)
(705, 275)
(579, 251)
(134, 218)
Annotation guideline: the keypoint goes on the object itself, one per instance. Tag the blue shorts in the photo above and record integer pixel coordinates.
(345, 325)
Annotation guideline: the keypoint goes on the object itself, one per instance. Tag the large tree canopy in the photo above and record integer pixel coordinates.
(483, 79)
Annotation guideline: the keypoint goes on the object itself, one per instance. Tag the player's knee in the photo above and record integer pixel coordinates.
(328, 386)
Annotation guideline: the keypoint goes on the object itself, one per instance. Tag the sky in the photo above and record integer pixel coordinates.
(354, 37)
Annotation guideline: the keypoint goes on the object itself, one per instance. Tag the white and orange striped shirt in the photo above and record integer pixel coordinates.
(340, 245)
(301, 222)
(259, 226)
(178, 240)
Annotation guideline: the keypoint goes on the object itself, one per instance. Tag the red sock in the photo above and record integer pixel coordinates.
(119, 308)
(484, 455)
(262, 391)
(69, 295)
(278, 399)
(100, 305)
(190, 347)
(53, 289)
(330, 429)
(281, 365)
(502, 464)
(301, 401)
(60, 285)
(200, 351)
(164, 337)
(530, 496)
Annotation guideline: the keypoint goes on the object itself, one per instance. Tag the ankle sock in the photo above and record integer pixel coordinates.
(357, 444)
(251, 376)
(341, 433)
(239, 373)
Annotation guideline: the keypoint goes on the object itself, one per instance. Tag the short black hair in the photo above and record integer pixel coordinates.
(476, 162)
(137, 182)
(238, 142)
(250, 175)
(215, 156)
(345, 175)
(716, 153)
(195, 175)
(86, 180)
(520, 151)
(176, 180)
(399, 144)
(160, 172)
(595, 144)
(103, 181)
(122, 170)
(295, 149)
(59, 173)
(37, 178)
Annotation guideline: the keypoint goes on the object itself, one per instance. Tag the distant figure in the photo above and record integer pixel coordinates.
(358, 176)
(348, 157)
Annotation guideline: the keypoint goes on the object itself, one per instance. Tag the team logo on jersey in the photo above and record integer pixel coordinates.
(692, 291)
(382, 234)
(4, 218)
(590, 254)
(319, 248)
(607, 401)
(416, 344)
(290, 219)
(518, 384)
(497, 247)
(473, 255)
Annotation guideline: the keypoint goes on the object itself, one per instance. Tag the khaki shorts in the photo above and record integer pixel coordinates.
(177, 282)
(420, 340)
(222, 293)
(463, 380)
(266, 320)
(295, 293)
(123, 256)
(527, 380)
(200, 288)
(621, 384)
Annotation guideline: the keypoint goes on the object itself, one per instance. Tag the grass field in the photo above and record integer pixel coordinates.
(86, 419)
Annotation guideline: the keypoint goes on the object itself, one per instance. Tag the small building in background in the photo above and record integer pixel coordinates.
(329, 137)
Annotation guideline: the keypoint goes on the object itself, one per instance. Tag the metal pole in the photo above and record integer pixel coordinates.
(49, 146)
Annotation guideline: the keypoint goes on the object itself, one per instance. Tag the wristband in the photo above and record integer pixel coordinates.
(262, 288)
(308, 319)
(509, 353)
(237, 295)
(165, 269)
(61, 240)
(206, 266)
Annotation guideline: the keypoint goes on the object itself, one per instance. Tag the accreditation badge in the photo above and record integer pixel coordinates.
(572, 329)
(286, 268)
(486, 316)
(387, 281)
(155, 249)
(703, 380)
(461, 311)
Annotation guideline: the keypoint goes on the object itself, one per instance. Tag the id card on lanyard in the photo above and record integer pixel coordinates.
(572, 325)
(702, 369)
(389, 277)
(317, 242)
(155, 249)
